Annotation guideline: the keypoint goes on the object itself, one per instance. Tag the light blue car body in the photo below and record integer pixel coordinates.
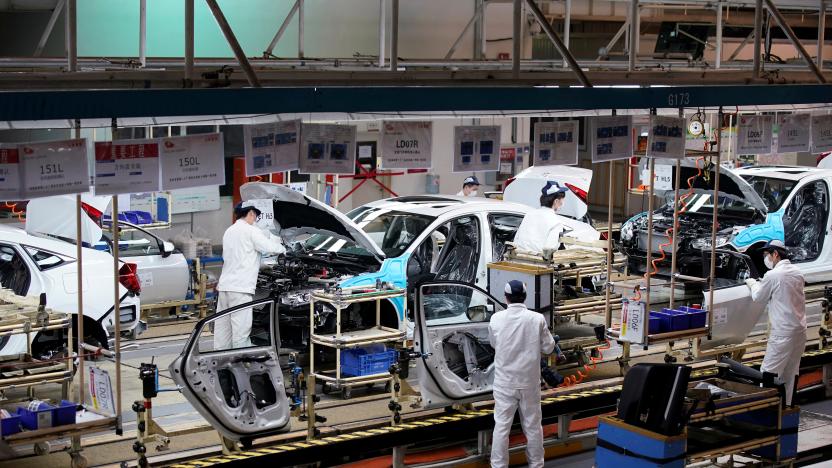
(392, 271)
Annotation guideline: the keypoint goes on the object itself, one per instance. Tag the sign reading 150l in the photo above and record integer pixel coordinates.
(188, 161)
(678, 99)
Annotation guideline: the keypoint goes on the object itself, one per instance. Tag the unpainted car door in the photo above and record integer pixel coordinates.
(239, 390)
(452, 333)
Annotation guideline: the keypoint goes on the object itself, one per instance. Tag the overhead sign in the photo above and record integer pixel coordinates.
(10, 173)
(327, 149)
(192, 161)
(612, 138)
(476, 148)
(406, 145)
(754, 134)
(821, 133)
(272, 147)
(54, 168)
(666, 137)
(556, 143)
(126, 166)
(794, 132)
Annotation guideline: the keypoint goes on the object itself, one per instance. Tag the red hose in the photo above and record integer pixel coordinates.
(571, 380)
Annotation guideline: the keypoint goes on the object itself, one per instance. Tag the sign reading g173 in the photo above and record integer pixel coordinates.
(54, 168)
(192, 161)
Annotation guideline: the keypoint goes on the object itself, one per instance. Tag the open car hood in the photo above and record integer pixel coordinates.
(730, 184)
(296, 214)
(42, 217)
(527, 185)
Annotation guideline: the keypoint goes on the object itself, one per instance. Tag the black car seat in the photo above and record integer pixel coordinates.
(458, 259)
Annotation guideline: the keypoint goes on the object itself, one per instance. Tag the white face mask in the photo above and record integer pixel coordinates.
(473, 193)
(767, 261)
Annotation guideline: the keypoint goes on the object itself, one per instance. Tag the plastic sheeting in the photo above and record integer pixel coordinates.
(55, 216)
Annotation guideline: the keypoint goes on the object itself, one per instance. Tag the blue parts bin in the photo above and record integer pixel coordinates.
(41, 415)
(367, 360)
(680, 319)
(10, 425)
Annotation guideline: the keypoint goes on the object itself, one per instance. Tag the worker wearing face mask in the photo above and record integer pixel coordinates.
(782, 287)
(519, 336)
(469, 187)
(541, 228)
(242, 245)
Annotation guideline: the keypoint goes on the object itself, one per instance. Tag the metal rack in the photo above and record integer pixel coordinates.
(341, 299)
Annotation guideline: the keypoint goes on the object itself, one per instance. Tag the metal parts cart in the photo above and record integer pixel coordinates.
(341, 299)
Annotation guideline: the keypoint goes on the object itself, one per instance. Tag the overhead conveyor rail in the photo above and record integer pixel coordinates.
(453, 426)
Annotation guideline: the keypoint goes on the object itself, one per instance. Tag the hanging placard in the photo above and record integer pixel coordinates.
(754, 134)
(54, 168)
(100, 395)
(192, 161)
(10, 173)
(794, 131)
(272, 147)
(406, 145)
(476, 148)
(611, 138)
(126, 166)
(633, 321)
(666, 137)
(556, 143)
(327, 149)
(821, 133)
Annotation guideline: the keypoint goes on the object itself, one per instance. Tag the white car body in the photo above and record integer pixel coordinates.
(525, 188)
(52, 269)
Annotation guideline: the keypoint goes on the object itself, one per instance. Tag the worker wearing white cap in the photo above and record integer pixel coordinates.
(541, 228)
(469, 187)
(782, 287)
(242, 245)
(519, 336)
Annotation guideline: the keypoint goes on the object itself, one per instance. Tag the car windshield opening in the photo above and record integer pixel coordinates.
(702, 203)
(392, 231)
(773, 191)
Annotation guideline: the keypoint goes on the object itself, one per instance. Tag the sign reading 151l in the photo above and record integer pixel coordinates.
(51, 169)
(188, 161)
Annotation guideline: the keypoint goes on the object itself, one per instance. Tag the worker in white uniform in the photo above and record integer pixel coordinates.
(519, 337)
(469, 187)
(541, 228)
(242, 245)
(782, 287)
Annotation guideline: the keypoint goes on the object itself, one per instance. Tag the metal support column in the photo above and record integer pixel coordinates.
(143, 32)
(567, 27)
(50, 25)
(189, 41)
(382, 29)
(233, 43)
(465, 30)
(80, 279)
(784, 25)
(633, 49)
(718, 35)
(300, 28)
(714, 224)
(758, 29)
(394, 36)
(821, 32)
(479, 29)
(72, 35)
(516, 39)
(282, 29)
(553, 36)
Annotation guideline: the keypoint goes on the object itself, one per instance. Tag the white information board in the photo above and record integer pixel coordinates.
(10, 187)
(476, 148)
(406, 145)
(54, 168)
(633, 321)
(327, 149)
(192, 161)
(266, 219)
(556, 143)
(666, 137)
(126, 166)
(754, 134)
(272, 147)
(794, 132)
(101, 391)
(611, 137)
(821, 133)
(195, 199)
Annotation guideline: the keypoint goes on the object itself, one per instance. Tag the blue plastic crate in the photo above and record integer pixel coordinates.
(40, 418)
(698, 317)
(142, 217)
(676, 320)
(654, 324)
(64, 413)
(10, 425)
(369, 360)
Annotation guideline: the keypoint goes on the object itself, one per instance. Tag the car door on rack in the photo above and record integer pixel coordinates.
(452, 333)
(736, 315)
(240, 390)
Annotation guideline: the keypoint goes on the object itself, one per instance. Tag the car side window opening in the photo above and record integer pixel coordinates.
(805, 221)
(43, 259)
(223, 328)
(459, 257)
(135, 243)
(503, 229)
(773, 191)
(14, 274)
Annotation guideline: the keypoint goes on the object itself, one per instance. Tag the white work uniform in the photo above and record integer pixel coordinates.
(461, 193)
(519, 337)
(242, 245)
(539, 231)
(782, 286)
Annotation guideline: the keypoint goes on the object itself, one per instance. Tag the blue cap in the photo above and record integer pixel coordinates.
(552, 188)
(244, 207)
(515, 287)
(470, 180)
